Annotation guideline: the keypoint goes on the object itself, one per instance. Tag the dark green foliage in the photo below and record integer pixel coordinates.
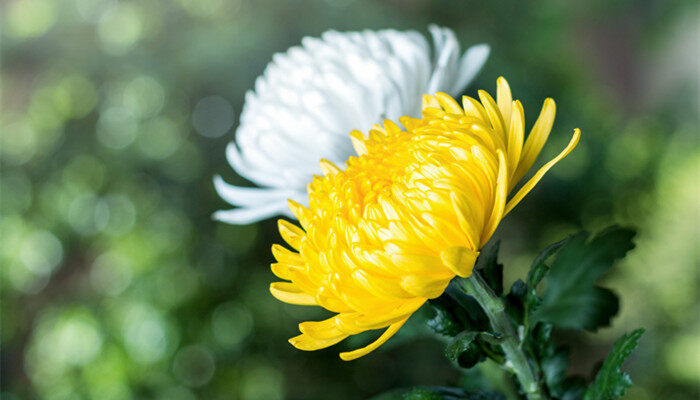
(439, 393)
(460, 316)
(515, 301)
(573, 386)
(610, 382)
(491, 269)
(470, 348)
(572, 300)
(553, 361)
(538, 270)
(457, 312)
(445, 322)
(442, 393)
(464, 351)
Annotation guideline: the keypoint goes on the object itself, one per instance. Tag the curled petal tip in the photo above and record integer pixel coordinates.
(459, 260)
(328, 168)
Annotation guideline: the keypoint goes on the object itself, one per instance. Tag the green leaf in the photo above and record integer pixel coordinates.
(444, 322)
(610, 383)
(470, 348)
(553, 359)
(465, 350)
(455, 312)
(573, 388)
(445, 393)
(554, 371)
(515, 301)
(491, 270)
(572, 300)
(538, 270)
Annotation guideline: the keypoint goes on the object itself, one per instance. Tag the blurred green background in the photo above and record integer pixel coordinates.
(116, 283)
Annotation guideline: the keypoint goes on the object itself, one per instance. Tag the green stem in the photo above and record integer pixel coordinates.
(516, 360)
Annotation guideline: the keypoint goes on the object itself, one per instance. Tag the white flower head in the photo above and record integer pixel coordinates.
(311, 97)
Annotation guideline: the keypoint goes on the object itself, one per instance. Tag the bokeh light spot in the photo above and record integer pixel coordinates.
(146, 335)
(29, 18)
(120, 28)
(231, 323)
(41, 252)
(93, 10)
(116, 128)
(18, 142)
(82, 212)
(208, 8)
(121, 212)
(70, 337)
(194, 365)
(143, 96)
(213, 116)
(74, 97)
(111, 273)
(159, 138)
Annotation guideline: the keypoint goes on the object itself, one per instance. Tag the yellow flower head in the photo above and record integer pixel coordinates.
(411, 212)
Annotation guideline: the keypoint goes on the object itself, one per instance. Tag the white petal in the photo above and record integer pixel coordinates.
(469, 66)
(242, 216)
(244, 196)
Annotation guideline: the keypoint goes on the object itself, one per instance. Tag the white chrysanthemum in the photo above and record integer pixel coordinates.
(310, 98)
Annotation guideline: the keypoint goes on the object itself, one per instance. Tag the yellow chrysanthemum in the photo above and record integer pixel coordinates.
(406, 216)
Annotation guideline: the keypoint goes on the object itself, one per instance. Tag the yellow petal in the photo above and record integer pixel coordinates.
(291, 233)
(299, 211)
(474, 109)
(380, 286)
(308, 343)
(421, 286)
(286, 256)
(448, 103)
(494, 115)
(504, 99)
(384, 318)
(283, 271)
(536, 139)
(516, 133)
(410, 123)
(291, 293)
(358, 142)
(499, 200)
(536, 178)
(430, 102)
(330, 301)
(460, 260)
(390, 127)
(417, 264)
(465, 218)
(326, 329)
(393, 328)
(328, 168)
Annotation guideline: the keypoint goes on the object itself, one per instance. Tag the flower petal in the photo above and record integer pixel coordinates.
(393, 328)
(291, 293)
(536, 139)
